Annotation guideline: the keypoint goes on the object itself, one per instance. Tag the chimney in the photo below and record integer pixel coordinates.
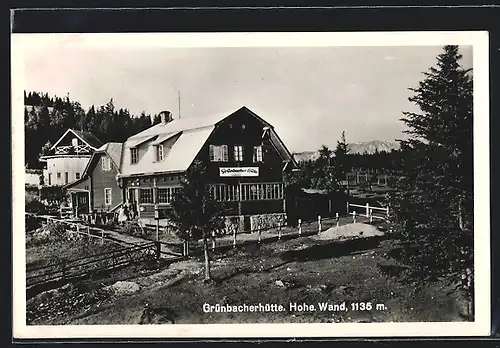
(165, 117)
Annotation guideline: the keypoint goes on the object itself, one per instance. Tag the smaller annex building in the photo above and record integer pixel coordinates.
(68, 157)
(97, 190)
(244, 157)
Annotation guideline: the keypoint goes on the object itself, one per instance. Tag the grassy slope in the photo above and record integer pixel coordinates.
(249, 276)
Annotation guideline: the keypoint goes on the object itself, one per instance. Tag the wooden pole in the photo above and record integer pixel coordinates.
(371, 215)
(213, 240)
(347, 208)
(260, 233)
(354, 216)
(319, 223)
(234, 237)
(300, 227)
(367, 212)
(102, 237)
(337, 218)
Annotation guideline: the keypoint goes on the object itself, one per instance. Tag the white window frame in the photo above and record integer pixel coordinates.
(134, 159)
(171, 190)
(262, 191)
(159, 152)
(106, 198)
(141, 201)
(238, 153)
(106, 163)
(224, 193)
(218, 153)
(257, 154)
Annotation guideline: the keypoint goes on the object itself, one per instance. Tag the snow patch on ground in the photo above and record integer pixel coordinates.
(356, 230)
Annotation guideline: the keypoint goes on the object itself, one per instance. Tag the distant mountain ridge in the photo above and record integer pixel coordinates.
(368, 147)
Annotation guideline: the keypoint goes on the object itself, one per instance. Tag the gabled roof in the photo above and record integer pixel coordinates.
(86, 137)
(188, 136)
(113, 150)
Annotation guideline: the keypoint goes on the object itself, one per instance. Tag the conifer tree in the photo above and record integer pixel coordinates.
(433, 203)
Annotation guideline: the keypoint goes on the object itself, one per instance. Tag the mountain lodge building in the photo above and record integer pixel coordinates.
(244, 157)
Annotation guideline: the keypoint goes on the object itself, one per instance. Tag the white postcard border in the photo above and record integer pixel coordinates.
(480, 43)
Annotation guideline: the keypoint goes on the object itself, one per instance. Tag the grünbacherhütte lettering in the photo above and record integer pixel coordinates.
(238, 170)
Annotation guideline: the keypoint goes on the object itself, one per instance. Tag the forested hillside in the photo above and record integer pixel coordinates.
(46, 118)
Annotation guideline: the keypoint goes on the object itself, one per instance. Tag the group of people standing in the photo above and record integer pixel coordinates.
(127, 212)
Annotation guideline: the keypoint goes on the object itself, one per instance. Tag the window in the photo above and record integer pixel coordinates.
(66, 177)
(159, 152)
(218, 153)
(224, 193)
(50, 179)
(134, 155)
(238, 153)
(271, 191)
(106, 163)
(59, 175)
(107, 196)
(165, 195)
(146, 196)
(77, 176)
(257, 153)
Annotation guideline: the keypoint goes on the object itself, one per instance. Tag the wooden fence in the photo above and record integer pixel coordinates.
(71, 269)
(383, 213)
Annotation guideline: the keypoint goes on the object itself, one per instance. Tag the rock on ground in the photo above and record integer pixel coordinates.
(125, 288)
(357, 230)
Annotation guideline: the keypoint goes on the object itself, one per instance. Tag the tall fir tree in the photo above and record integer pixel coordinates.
(341, 159)
(194, 214)
(433, 200)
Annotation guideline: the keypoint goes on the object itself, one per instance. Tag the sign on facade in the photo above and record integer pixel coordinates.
(239, 171)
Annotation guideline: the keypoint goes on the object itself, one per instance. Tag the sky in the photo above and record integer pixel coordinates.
(309, 94)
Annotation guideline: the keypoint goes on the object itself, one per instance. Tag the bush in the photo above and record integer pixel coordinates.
(35, 207)
(32, 222)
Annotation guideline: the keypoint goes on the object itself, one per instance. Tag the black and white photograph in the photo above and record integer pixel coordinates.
(195, 185)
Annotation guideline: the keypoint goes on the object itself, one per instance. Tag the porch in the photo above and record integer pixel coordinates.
(79, 202)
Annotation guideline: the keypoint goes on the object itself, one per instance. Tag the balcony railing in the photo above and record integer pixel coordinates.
(73, 150)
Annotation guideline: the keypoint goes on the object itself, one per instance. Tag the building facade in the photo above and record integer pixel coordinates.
(68, 157)
(244, 157)
(97, 190)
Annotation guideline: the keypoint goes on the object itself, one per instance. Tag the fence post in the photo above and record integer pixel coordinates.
(234, 237)
(319, 223)
(367, 209)
(260, 233)
(213, 240)
(279, 232)
(371, 215)
(102, 237)
(337, 218)
(300, 227)
(158, 250)
(347, 208)
(387, 212)
(63, 266)
(354, 216)
(88, 233)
